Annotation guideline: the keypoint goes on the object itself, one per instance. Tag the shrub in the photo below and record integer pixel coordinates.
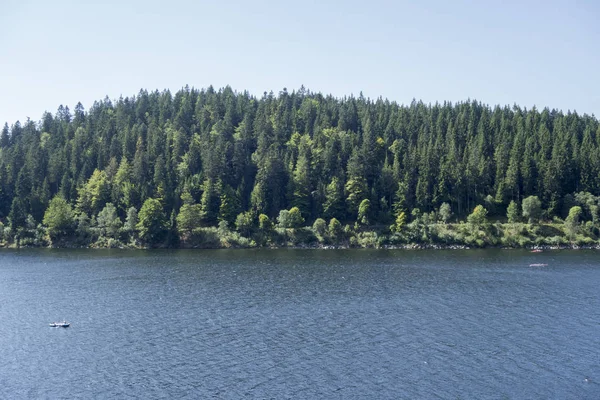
(244, 223)
(532, 209)
(335, 229)
(320, 227)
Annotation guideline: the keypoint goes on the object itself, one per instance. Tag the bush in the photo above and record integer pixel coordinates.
(335, 229)
(290, 219)
(264, 223)
(555, 241)
(478, 217)
(532, 209)
(207, 238)
(244, 223)
(320, 227)
(367, 240)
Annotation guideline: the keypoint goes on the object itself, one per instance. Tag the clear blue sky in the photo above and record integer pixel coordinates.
(543, 53)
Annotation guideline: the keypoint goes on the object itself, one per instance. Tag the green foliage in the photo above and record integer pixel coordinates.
(301, 182)
(59, 218)
(230, 205)
(335, 229)
(320, 227)
(188, 219)
(512, 212)
(264, 223)
(94, 194)
(131, 220)
(152, 223)
(334, 199)
(244, 223)
(290, 219)
(83, 228)
(356, 190)
(130, 225)
(364, 209)
(18, 214)
(445, 213)
(589, 204)
(210, 203)
(234, 153)
(283, 220)
(295, 218)
(572, 221)
(399, 223)
(108, 222)
(416, 215)
(532, 209)
(478, 217)
(367, 240)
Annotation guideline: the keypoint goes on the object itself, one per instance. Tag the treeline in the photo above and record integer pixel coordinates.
(160, 168)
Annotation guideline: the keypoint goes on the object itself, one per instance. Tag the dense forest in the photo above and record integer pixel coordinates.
(223, 168)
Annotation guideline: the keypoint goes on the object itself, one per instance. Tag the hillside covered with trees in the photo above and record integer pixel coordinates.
(218, 168)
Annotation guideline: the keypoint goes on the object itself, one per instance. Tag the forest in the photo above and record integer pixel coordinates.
(220, 168)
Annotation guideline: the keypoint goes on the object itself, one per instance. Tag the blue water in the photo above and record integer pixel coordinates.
(343, 324)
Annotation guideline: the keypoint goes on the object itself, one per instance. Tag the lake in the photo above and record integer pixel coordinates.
(300, 324)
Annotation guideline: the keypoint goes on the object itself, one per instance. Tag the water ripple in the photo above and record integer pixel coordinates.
(300, 324)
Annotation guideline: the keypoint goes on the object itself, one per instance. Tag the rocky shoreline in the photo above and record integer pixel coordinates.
(320, 246)
(416, 246)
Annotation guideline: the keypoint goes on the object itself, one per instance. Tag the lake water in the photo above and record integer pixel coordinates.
(301, 324)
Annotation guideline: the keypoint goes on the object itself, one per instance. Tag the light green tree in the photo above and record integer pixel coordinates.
(188, 219)
(478, 217)
(334, 199)
(532, 209)
(445, 213)
(400, 222)
(364, 210)
(59, 218)
(244, 223)
(152, 224)
(335, 229)
(572, 221)
(94, 194)
(290, 219)
(356, 190)
(108, 222)
(296, 218)
(320, 227)
(512, 212)
(130, 225)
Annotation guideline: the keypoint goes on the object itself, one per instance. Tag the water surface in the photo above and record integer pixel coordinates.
(300, 324)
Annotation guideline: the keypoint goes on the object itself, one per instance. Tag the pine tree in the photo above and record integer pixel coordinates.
(512, 212)
(334, 200)
(230, 206)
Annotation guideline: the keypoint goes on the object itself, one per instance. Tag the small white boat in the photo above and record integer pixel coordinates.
(538, 265)
(63, 324)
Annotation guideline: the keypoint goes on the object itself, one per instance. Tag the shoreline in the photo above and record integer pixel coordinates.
(410, 246)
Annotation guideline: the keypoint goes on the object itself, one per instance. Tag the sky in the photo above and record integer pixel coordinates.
(529, 53)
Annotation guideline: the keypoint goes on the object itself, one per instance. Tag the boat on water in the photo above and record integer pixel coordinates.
(538, 265)
(63, 324)
(536, 250)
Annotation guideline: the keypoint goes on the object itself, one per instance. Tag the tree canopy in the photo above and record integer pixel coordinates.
(205, 156)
